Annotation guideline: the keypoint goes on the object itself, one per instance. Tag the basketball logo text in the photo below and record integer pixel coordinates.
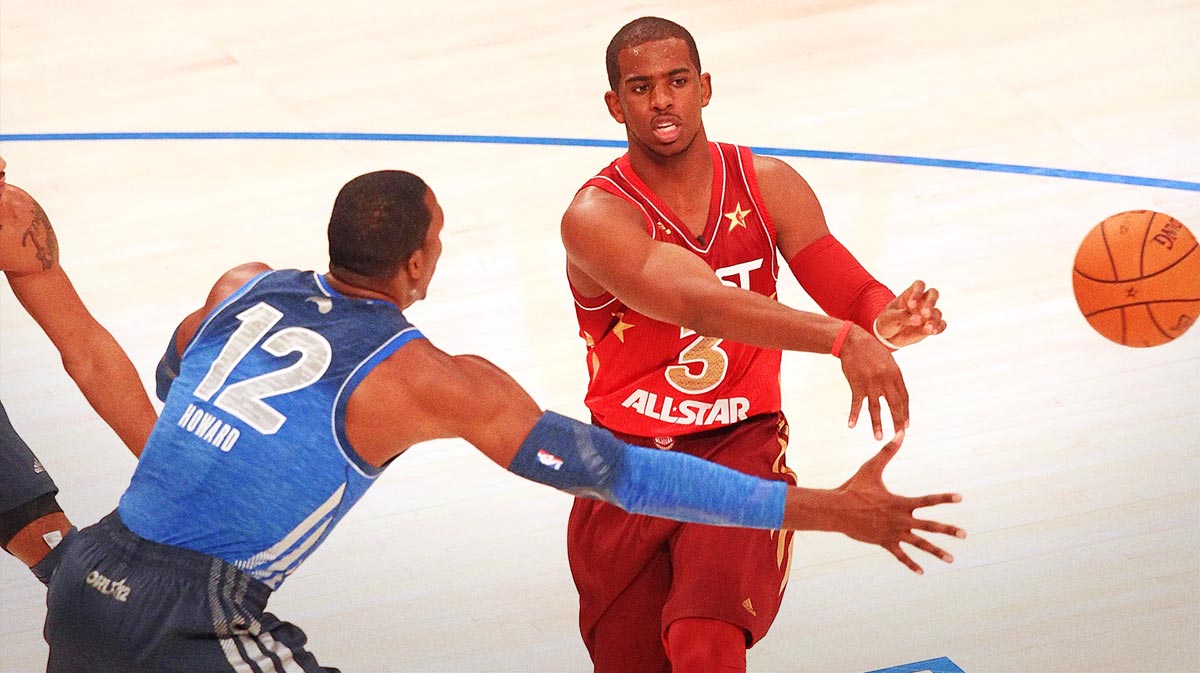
(1185, 321)
(118, 590)
(1167, 236)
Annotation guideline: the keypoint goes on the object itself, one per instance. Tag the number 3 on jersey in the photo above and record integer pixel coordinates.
(713, 361)
(707, 351)
(244, 399)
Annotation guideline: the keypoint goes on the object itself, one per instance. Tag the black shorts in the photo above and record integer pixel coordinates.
(122, 604)
(22, 477)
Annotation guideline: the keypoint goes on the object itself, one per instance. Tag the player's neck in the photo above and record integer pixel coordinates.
(679, 173)
(362, 287)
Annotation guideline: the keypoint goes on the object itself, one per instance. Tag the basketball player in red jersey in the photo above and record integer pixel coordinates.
(672, 260)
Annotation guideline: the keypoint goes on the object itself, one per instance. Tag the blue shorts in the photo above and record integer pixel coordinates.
(22, 477)
(122, 604)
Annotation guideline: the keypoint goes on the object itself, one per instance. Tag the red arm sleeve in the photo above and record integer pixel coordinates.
(838, 283)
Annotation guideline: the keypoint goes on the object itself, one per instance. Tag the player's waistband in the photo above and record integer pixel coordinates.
(187, 564)
(704, 438)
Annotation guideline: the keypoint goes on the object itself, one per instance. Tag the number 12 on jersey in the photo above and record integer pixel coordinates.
(244, 399)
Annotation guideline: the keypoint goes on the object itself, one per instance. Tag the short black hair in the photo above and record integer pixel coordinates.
(641, 31)
(379, 220)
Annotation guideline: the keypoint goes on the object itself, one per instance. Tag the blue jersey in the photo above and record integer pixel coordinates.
(249, 461)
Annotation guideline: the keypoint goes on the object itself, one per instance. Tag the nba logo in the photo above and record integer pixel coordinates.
(549, 459)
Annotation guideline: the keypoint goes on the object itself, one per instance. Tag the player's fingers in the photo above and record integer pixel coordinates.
(896, 551)
(914, 293)
(939, 527)
(876, 416)
(855, 407)
(929, 548)
(935, 499)
(885, 455)
(930, 303)
(897, 401)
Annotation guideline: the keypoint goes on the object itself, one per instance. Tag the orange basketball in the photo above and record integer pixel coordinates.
(1137, 278)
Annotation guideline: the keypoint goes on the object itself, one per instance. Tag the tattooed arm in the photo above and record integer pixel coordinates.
(103, 372)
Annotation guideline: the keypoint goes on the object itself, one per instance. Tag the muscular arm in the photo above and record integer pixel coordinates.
(608, 249)
(421, 393)
(89, 353)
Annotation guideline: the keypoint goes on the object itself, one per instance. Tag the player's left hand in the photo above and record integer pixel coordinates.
(911, 316)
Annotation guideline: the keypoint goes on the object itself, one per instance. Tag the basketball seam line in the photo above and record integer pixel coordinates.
(1141, 303)
(1142, 250)
(1155, 321)
(1111, 261)
(1133, 280)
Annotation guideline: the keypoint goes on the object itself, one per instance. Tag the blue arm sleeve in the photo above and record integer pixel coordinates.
(589, 462)
(168, 368)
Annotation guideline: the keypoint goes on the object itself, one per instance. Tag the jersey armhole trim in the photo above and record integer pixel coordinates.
(356, 377)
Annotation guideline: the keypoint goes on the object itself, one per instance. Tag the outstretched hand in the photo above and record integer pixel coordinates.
(911, 316)
(874, 515)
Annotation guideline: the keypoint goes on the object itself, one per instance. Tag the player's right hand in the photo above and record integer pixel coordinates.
(872, 514)
(873, 374)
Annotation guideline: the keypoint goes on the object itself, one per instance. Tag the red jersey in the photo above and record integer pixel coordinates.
(654, 379)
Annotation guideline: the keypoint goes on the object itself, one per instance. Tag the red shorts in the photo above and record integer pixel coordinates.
(638, 574)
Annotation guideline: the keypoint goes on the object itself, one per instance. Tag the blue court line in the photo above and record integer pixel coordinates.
(589, 142)
(939, 665)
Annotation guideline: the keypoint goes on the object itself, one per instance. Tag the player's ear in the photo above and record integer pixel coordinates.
(415, 265)
(614, 106)
(705, 89)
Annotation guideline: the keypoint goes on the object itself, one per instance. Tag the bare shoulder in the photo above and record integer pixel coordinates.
(226, 285)
(231, 280)
(28, 243)
(417, 394)
(422, 376)
(792, 203)
(593, 206)
(774, 173)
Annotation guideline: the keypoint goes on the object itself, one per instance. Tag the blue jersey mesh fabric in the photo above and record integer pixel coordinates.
(249, 461)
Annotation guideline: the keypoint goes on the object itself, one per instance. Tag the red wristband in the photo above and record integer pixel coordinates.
(841, 338)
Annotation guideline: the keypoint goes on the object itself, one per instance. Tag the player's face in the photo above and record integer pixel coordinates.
(659, 96)
(432, 251)
(3, 183)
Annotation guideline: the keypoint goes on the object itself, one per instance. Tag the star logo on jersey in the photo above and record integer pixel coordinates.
(620, 328)
(737, 216)
(324, 304)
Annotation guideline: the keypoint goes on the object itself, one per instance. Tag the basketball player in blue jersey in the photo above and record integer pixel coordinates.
(288, 393)
(32, 524)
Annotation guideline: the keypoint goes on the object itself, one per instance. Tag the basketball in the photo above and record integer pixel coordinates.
(1137, 278)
